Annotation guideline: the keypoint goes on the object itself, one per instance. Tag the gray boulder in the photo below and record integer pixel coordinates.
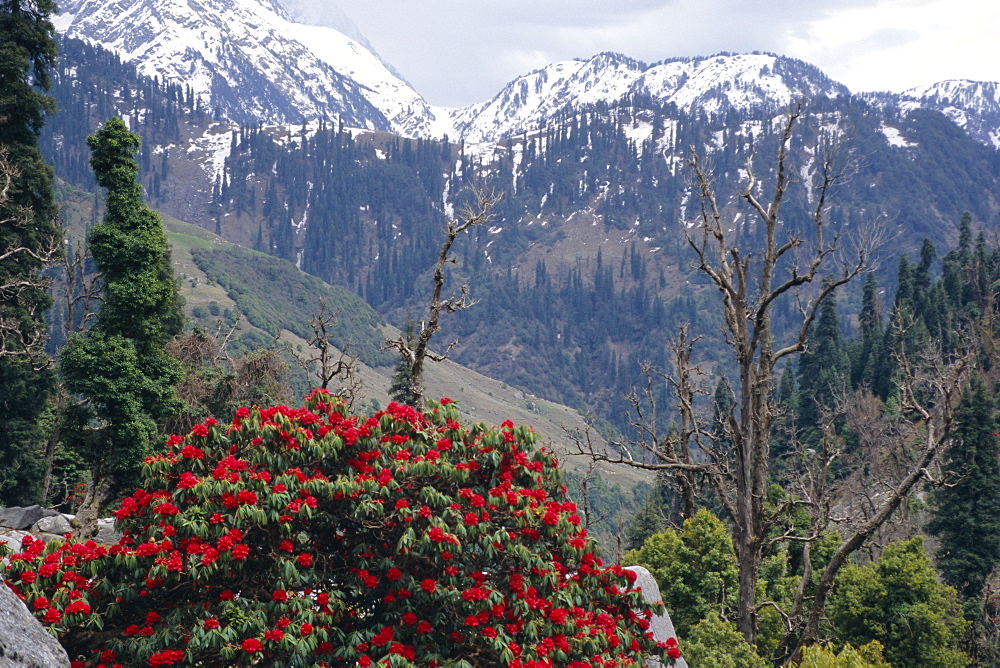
(17, 517)
(106, 532)
(12, 540)
(661, 625)
(57, 524)
(24, 642)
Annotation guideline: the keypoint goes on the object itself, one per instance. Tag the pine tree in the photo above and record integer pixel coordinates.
(868, 349)
(119, 365)
(27, 52)
(823, 371)
(967, 512)
(401, 385)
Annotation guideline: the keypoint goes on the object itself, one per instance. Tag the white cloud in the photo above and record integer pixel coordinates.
(898, 44)
(458, 52)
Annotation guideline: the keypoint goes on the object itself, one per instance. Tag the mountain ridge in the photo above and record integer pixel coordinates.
(265, 61)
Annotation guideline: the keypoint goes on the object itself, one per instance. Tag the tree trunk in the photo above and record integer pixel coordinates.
(748, 553)
(85, 522)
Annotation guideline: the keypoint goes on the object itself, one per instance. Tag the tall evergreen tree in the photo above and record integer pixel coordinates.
(27, 52)
(967, 512)
(868, 348)
(119, 365)
(823, 371)
(401, 385)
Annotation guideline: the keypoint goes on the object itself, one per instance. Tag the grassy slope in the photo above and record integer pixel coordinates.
(480, 398)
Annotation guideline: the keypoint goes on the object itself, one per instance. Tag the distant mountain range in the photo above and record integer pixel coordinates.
(272, 62)
(584, 268)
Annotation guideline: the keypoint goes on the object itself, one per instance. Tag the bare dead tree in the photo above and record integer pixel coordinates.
(416, 352)
(17, 340)
(325, 361)
(929, 396)
(81, 290)
(737, 468)
(214, 382)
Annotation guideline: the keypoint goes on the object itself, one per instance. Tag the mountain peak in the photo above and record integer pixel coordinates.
(713, 85)
(246, 58)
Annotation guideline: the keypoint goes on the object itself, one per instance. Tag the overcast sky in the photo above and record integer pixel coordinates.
(457, 52)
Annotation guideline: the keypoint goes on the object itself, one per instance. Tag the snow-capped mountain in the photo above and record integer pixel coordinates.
(253, 61)
(287, 61)
(249, 59)
(971, 105)
(712, 85)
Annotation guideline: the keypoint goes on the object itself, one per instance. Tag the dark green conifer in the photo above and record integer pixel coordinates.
(967, 511)
(27, 52)
(401, 385)
(119, 365)
(869, 345)
(823, 372)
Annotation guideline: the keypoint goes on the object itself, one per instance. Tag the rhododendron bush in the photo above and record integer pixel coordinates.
(303, 537)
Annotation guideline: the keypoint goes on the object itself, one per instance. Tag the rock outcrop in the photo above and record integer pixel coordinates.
(661, 625)
(24, 642)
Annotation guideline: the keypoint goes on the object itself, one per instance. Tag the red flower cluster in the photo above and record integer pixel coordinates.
(264, 540)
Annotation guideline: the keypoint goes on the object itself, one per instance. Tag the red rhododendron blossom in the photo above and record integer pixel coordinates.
(167, 657)
(166, 509)
(246, 497)
(77, 608)
(309, 536)
(252, 645)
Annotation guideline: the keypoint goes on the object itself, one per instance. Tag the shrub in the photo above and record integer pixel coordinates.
(299, 537)
(715, 643)
(866, 656)
(898, 601)
(694, 567)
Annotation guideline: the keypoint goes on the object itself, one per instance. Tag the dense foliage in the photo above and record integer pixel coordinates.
(695, 568)
(866, 656)
(898, 601)
(310, 537)
(119, 365)
(28, 233)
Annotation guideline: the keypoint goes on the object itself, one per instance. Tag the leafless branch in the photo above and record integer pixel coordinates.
(417, 353)
(20, 335)
(325, 361)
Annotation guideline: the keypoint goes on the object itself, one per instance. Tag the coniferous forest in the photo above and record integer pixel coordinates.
(780, 322)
